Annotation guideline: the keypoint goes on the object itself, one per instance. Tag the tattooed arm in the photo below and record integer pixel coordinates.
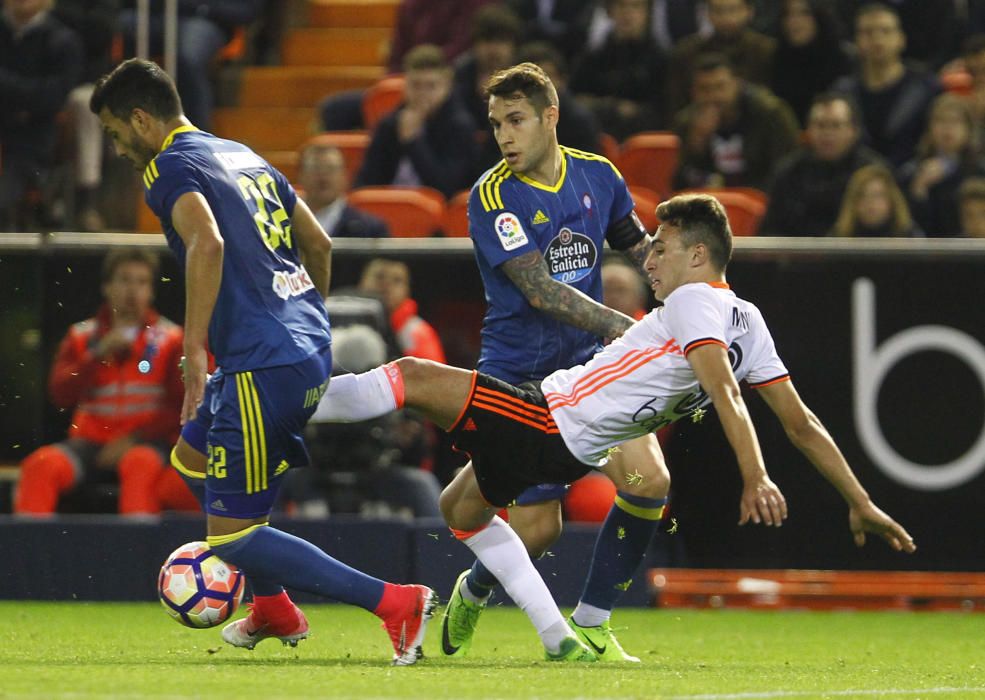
(637, 254)
(561, 301)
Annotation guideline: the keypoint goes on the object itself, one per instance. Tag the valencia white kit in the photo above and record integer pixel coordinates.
(643, 381)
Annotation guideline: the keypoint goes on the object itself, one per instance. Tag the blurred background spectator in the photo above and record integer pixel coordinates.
(119, 373)
(430, 139)
(893, 97)
(41, 60)
(389, 280)
(443, 23)
(561, 23)
(948, 153)
(95, 22)
(622, 81)
(323, 182)
(971, 199)
(733, 133)
(809, 184)
(495, 35)
(624, 289)
(810, 55)
(748, 51)
(204, 27)
(874, 206)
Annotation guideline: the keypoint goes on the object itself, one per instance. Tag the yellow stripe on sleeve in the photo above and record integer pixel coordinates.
(639, 512)
(216, 540)
(176, 463)
(153, 169)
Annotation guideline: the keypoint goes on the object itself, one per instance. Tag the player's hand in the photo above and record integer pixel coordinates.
(762, 502)
(194, 366)
(869, 518)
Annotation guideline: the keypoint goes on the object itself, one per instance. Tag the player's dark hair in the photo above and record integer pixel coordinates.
(830, 96)
(425, 57)
(528, 79)
(133, 84)
(119, 256)
(496, 23)
(701, 219)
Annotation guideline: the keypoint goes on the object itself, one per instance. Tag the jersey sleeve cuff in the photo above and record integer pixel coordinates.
(774, 380)
(702, 341)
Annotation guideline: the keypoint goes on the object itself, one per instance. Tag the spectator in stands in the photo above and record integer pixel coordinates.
(808, 185)
(948, 153)
(973, 61)
(733, 133)
(495, 35)
(933, 29)
(324, 182)
(204, 27)
(670, 22)
(390, 281)
(95, 22)
(748, 51)
(810, 55)
(874, 206)
(561, 23)
(119, 372)
(622, 81)
(430, 139)
(624, 289)
(443, 23)
(40, 62)
(894, 98)
(971, 197)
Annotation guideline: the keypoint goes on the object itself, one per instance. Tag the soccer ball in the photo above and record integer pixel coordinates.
(197, 588)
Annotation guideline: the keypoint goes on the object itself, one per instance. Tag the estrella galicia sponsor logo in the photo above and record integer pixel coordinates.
(570, 256)
(510, 231)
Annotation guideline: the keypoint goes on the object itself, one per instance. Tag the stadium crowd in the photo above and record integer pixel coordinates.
(842, 118)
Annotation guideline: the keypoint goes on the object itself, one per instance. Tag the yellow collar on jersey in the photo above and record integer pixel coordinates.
(180, 130)
(550, 188)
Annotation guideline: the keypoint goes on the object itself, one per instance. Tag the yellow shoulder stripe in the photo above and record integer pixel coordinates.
(489, 193)
(151, 173)
(585, 155)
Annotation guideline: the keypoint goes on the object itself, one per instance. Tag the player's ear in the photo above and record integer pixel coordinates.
(699, 254)
(551, 115)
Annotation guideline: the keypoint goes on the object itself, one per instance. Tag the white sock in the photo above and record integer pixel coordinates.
(472, 597)
(355, 397)
(586, 615)
(502, 552)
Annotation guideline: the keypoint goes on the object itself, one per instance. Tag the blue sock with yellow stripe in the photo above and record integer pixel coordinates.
(273, 555)
(620, 546)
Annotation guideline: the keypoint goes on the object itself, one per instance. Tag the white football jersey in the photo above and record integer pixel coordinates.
(643, 381)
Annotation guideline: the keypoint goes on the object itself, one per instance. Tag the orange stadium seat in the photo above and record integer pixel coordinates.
(649, 159)
(646, 204)
(456, 224)
(382, 98)
(352, 144)
(745, 207)
(610, 147)
(410, 212)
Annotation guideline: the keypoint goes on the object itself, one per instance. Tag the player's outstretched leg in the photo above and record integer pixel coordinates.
(267, 554)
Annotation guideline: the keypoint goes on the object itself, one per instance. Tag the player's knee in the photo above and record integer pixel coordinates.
(414, 370)
(649, 481)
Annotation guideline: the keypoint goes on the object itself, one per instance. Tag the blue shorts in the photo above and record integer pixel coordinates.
(541, 494)
(250, 426)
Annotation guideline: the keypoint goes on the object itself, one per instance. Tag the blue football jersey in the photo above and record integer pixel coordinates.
(268, 312)
(510, 215)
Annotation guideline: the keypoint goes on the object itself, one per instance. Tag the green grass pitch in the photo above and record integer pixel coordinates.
(99, 650)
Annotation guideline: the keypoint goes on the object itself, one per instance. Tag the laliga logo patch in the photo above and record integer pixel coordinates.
(510, 232)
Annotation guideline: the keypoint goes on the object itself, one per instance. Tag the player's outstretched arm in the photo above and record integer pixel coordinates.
(315, 245)
(194, 222)
(810, 436)
(762, 500)
(561, 301)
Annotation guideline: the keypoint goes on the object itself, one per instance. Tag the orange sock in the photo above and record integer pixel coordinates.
(173, 494)
(138, 470)
(45, 475)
